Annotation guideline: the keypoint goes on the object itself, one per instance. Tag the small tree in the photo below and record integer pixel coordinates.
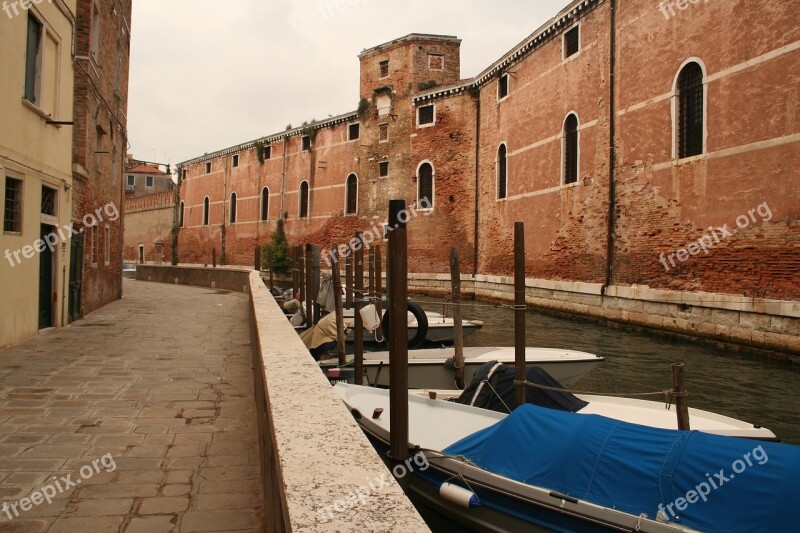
(281, 257)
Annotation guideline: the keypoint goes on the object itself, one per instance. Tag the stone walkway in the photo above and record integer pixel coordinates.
(146, 406)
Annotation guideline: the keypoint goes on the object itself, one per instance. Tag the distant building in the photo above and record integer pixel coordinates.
(36, 93)
(650, 157)
(144, 178)
(149, 223)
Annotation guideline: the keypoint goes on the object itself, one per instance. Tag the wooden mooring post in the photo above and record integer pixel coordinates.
(398, 330)
(519, 311)
(271, 276)
(309, 292)
(680, 394)
(337, 289)
(214, 257)
(455, 285)
(358, 325)
(298, 268)
(378, 283)
(257, 259)
(348, 278)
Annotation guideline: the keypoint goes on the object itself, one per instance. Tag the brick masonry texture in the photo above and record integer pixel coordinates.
(660, 203)
(100, 139)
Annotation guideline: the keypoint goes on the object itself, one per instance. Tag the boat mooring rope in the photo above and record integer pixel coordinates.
(669, 394)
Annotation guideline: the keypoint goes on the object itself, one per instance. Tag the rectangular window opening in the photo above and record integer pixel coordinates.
(12, 213)
(208, 168)
(236, 160)
(572, 42)
(33, 60)
(148, 181)
(383, 169)
(502, 87)
(353, 132)
(425, 115)
(306, 143)
(383, 132)
(384, 68)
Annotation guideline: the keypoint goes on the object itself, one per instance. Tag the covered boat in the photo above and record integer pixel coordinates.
(543, 468)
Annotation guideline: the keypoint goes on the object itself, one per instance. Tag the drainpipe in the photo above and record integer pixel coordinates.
(477, 179)
(612, 149)
(223, 228)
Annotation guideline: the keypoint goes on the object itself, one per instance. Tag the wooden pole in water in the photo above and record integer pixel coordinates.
(455, 284)
(271, 277)
(519, 311)
(295, 272)
(337, 288)
(680, 395)
(398, 327)
(378, 283)
(348, 278)
(301, 276)
(371, 261)
(309, 293)
(315, 260)
(358, 333)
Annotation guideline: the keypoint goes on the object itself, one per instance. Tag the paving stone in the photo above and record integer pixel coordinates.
(102, 524)
(152, 524)
(175, 490)
(101, 507)
(158, 406)
(219, 520)
(163, 505)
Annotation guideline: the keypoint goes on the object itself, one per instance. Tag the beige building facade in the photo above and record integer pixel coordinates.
(36, 107)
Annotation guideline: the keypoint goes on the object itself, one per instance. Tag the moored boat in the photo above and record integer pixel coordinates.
(433, 368)
(543, 468)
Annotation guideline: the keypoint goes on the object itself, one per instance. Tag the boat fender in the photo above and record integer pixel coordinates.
(422, 325)
(459, 495)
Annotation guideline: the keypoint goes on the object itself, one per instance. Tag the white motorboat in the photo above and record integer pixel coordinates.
(433, 369)
(540, 468)
(439, 328)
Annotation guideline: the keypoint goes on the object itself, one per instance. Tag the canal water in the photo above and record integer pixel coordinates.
(749, 387)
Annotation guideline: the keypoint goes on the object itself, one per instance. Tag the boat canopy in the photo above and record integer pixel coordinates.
(707, 482)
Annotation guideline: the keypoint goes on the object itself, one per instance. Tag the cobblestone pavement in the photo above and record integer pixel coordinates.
(146, 406)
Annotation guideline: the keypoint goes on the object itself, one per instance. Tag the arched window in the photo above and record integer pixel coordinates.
(502, 172)
(205, 211)
(265, 203)
(425, 187)
(304, 200)
(571, 149)
(180, 216)
(690, 110)
(232, 214)
(351, 195)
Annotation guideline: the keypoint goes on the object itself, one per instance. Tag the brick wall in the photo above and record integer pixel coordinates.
(100, 116)
(659, 204)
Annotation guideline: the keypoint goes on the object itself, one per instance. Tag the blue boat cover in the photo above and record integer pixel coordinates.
(695, 479)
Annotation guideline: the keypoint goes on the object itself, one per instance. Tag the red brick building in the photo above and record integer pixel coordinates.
(648, 151)
(102, 53)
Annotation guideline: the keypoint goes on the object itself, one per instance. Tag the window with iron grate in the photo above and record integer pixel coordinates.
(690, 111)
(425, 186)
(571, 149)
(351, 194)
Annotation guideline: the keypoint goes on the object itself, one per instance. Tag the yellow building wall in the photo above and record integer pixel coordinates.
(39, 154)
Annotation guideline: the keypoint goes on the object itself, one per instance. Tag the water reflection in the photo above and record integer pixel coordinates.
(749, 387)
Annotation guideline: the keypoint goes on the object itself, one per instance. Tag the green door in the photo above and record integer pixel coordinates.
(75, 277)
(45, 281)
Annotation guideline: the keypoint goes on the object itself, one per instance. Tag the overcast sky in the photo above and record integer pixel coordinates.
(208, 74)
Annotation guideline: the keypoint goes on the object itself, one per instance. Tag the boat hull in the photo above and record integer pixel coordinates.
(427, 369)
